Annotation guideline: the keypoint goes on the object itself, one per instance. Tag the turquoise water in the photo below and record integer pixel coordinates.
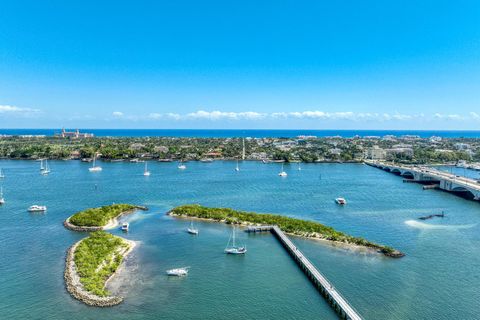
(438, 279)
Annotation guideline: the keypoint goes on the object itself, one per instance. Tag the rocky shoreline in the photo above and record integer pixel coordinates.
(75, 287)
(111, 224)
(313, 236)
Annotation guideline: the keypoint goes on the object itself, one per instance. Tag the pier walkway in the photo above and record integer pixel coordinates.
(336, 300)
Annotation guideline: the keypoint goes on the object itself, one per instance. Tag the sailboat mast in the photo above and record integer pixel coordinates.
(243, 152)
(233, 237)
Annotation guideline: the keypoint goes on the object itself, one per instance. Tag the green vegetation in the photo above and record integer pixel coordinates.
(99, 217)
(287, 224)
(97, 258)
(310, 149)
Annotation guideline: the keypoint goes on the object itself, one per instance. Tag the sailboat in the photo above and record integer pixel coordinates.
(46, 170)
(181, 166)
(282, 173)
(237, 168)
(191, 229)
(146, 173)
(94, 167)
(234, 249)
(2, 200)
(42, 167)
(2, 174)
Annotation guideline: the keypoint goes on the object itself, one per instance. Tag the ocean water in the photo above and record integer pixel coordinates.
(437, 279)
(254, 133)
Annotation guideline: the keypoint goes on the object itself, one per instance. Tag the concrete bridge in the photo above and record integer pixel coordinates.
(426, 175)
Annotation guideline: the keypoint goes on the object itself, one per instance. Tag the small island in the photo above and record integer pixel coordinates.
(293, 226)
(102, 218)
(91, 263)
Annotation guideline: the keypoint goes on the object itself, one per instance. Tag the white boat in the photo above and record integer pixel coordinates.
(146, 173)
(46, 170)
(282, 173)
(41, 165)
(178, 272)
(94, 167)
(206, 160)
(341, 201)
(234, 249)
(191, 229)
(2, 174)
(237, 168)
(181, 166)
(125, 226)
(37, 208)
(2, 200)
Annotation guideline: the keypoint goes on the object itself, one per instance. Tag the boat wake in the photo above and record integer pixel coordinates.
(427, 226)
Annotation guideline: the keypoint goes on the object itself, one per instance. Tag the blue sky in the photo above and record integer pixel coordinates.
(240, 64)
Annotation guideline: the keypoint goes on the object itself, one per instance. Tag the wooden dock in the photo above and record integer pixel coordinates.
(336, 300)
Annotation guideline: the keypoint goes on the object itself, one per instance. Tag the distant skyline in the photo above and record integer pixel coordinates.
(240, 65)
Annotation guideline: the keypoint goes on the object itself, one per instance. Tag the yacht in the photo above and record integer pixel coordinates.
(206, 160)
(45, 170)
(125, 226)
(234, 249)
(178, 272)
(2, 200)
(341, 201)
(37, 208)
(191, 229)
(94, 167)
(282, 173)
(181, 166)
(146, 173)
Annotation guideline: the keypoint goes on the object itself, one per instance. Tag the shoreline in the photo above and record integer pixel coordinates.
(314, 236)
(75, 287)
(111, 224)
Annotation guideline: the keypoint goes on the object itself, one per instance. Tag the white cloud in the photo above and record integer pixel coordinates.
(17, 111)
(154, 116)
(218, 115)
(449, 116)
(311, 115)
(475, 115)
(174, 116)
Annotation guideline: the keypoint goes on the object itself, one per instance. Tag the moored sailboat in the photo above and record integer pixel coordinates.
(146, 173)
(282, 173)
(46, 169)
(191, 229)
(234, 249)
(2, 199)
(94, 167)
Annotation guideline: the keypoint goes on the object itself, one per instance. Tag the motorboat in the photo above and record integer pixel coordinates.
(125, 226)
(37, 208)
(341, 201)
(178, 272)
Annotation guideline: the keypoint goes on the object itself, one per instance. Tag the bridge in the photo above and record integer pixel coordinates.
(426, 175)
(331, 294)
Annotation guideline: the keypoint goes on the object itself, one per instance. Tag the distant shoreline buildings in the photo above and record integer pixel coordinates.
(75, 134)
